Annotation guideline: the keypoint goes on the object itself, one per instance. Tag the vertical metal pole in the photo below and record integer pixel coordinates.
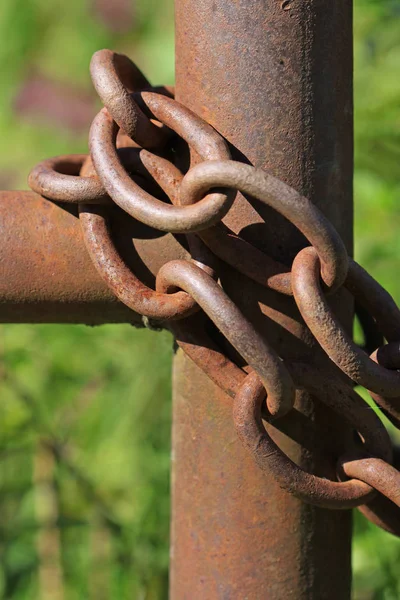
(275, 78)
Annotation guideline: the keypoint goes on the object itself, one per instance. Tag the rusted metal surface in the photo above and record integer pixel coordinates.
(183, 288)
(306, 486)
(192, 338)
(373, 338)
(327, 329)
(133, 199)
(388, 356)
(235, 327)
(61, 178)
(115, 76)
(272, 192)
(375, 472)
(46, 273)
(294, 407)
(381, 511)
(278, 85)
(126, 286)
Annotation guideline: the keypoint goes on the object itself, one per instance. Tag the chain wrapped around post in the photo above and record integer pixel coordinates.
(138, 144)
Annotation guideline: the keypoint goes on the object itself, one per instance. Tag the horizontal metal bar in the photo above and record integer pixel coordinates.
(46, 275)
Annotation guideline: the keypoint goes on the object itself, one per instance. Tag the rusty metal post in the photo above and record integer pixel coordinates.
(275, 78)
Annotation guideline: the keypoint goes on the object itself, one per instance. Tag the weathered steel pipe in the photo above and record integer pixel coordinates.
(46, 274)
(275, 78)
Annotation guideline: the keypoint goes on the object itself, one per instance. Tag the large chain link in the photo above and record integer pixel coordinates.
(122, 170)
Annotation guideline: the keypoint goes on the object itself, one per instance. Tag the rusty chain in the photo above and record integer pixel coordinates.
(189, 299)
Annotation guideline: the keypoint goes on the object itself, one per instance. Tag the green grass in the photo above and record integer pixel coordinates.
(85, 412)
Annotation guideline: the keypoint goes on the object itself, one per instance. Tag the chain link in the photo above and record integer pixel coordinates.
(152, 189)
(279, 196)
(133, 199)
(308, 487)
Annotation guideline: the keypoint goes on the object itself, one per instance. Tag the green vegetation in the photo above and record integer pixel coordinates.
(85, 412)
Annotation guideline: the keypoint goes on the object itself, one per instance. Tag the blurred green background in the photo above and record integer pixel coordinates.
(84, 454)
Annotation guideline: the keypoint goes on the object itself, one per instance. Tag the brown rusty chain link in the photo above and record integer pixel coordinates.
(189, 298)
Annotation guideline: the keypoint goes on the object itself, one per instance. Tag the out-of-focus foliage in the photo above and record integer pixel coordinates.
(54, 40)
(85, 412)
(377, 224)
(377, 136)
(84, 432)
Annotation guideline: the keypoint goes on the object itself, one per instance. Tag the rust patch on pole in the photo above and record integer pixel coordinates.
(275, 78)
